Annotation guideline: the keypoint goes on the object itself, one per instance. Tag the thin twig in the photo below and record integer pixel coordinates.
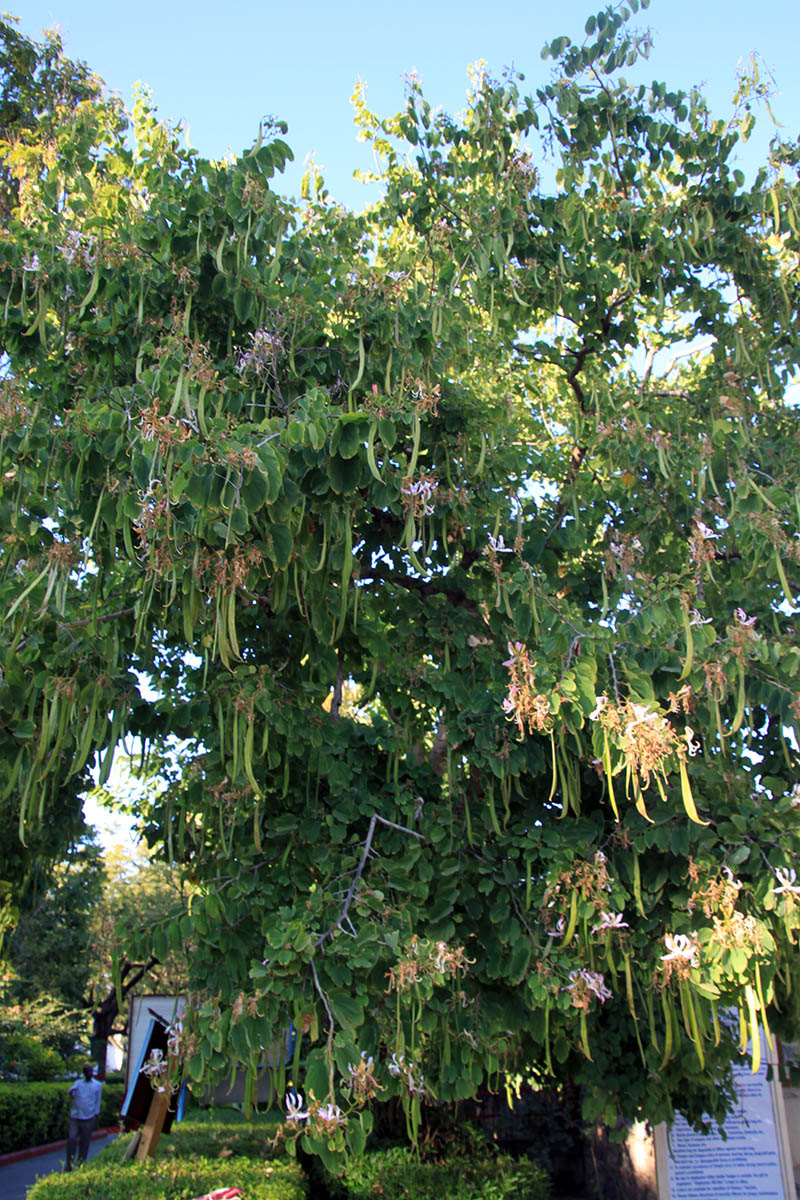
(614, 677)
(359, 871)
(323, 997)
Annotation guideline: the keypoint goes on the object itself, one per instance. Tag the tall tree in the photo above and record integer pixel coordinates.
(460, 541)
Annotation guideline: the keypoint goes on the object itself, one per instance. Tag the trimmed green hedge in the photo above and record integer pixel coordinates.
(392, 1175)
(33, 1114)
(174, 1179)
(219, 1138)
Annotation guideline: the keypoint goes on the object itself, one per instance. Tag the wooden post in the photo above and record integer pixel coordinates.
(151, 1130)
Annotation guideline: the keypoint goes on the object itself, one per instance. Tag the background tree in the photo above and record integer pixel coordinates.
(140, 894)
(508, 456)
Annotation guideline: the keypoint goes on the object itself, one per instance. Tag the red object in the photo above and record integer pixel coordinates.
(222, 1194)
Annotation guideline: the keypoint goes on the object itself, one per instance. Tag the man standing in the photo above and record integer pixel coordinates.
(85, 1095)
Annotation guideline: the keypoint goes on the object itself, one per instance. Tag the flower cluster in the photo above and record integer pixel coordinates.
(682, 954)
(583, 985)
(701, 543)
(719, 893)
(525, 704)
(261, 355)
(426, 399)
(164, 429)
(156, 1069)
(418, 495)
(645, 737)
(407, 1074)
(588, 877)
(361, 1081)
(77, 245)
(424, 959)
(323, 1119)
(741, 634)
(610, 923)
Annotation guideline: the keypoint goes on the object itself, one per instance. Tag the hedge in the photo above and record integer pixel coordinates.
(392, 1175)
(221, 1137)
(174, 1179)
(33, 1114)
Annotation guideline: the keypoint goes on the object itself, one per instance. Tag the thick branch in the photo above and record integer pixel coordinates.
(100, 620)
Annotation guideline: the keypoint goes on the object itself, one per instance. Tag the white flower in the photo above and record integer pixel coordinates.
(499, 546)
(732, 881)
(396, 1065)
(691, 745)
(641, 714)
(610, 921)
(796, 795)
(680, 946)
(593, 980)
(559, 929)
(294, 1107)
(156, 1065)
(31, 263)
(742, 617)
(331, 1114)
(787, 880)
(706, 534)
(601, 702)
(696, 618)
(174, 1034)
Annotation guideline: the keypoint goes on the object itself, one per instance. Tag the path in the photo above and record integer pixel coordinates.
(17, 1177)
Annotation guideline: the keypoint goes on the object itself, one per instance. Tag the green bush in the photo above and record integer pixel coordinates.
(33, 1114)
(393, 1175)
(223, 1138)
(173, 1179)
(25, 1058)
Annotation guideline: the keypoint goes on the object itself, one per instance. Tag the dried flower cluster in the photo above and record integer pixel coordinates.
(585, 984)
(590, 878)
(525, 704)
(361, 1081)
(424, 959)
(645, 737)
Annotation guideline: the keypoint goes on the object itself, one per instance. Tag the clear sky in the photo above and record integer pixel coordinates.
(221, 66)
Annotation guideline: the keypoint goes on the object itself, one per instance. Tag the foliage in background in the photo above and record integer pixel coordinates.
(53, 946)
(35, 1114)
(459, 542)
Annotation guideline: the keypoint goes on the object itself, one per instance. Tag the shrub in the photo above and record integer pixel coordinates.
(32, 1114)
(392, 1175)
(173, 1179)
(24, 1057)
(221, 1138)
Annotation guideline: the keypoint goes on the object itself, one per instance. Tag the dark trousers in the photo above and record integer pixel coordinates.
(78, 1138)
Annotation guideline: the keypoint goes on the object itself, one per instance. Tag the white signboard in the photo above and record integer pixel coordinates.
(143, 1010)
(750, 1165)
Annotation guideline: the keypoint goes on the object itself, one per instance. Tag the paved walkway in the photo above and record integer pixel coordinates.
(16, 1178)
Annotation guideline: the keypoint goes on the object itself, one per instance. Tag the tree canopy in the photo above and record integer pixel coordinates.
(459, 541)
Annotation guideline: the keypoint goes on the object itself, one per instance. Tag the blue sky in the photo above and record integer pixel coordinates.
(221, 67)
